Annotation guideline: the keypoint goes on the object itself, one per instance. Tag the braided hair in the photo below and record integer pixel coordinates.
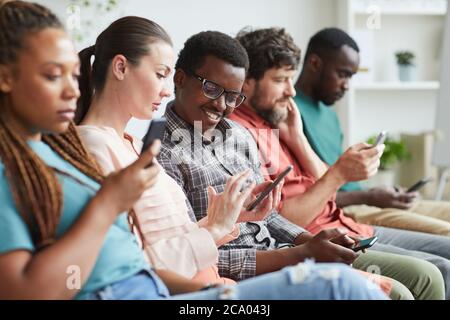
(34, 185)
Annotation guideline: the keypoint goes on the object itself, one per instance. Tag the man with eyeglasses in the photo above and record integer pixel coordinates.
(202, 148)
(309, 192)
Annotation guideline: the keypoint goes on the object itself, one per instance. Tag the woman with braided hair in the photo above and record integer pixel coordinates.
(62, 235)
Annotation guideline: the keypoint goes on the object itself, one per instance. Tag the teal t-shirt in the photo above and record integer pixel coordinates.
(323, 130)
(119, 258)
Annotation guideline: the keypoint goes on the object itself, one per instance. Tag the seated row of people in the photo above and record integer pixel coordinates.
(64, 186)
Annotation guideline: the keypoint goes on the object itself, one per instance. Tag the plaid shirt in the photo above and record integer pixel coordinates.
(196, 163)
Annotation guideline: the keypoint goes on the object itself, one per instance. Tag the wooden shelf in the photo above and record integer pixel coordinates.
(406, 12)
(415, 85)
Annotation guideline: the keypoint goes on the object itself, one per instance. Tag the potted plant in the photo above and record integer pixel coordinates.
(406, 67)
(395, 151)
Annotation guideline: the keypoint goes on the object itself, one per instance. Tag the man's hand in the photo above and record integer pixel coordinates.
(292, 126)
(270, 203)
(342, 240)
(390, 197)
(322, 248)
(345, 241)
(359, 162)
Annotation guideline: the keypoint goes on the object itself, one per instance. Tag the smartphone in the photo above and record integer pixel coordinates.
(269, 189)
(419, 184)
(381, 138)
(364, 244)
(155, 131)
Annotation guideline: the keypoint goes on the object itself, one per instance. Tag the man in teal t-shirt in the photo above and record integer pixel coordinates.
(331, 59)
(326, 143)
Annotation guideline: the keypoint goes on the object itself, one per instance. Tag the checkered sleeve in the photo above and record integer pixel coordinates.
(237, 262)
(282, 229)
(169, 163)
(170, 166)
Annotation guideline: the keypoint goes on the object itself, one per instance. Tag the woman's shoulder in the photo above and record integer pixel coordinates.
(91, 131)
(98, 138)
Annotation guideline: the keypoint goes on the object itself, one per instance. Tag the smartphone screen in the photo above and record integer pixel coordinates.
(269, 189)
(365, 243)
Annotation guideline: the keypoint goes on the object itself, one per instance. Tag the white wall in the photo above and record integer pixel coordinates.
(181, 19)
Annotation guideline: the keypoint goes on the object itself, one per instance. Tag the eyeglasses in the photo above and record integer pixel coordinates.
(212, 90)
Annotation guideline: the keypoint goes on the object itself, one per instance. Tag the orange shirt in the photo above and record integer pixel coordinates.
(276, 156)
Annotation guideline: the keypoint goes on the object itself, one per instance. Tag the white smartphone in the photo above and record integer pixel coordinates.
(381, 138)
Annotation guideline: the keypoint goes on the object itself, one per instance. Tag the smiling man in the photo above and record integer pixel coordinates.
(202, 148)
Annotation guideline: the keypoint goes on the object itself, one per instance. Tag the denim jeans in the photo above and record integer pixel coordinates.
(145, 285)
(305, 281)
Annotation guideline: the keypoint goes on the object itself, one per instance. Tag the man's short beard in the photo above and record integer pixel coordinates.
(273, 117)
(271, 114)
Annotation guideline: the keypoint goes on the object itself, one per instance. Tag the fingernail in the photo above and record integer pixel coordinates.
(156, 146)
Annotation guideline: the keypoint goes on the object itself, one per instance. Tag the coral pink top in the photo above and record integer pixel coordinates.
(172, 240)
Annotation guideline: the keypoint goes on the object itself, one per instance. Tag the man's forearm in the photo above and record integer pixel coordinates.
(274, 260)
(344, 198)
(304, 208)
(306, 156)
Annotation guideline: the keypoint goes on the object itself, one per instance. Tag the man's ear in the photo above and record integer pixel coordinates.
(248, 87)
(6, 79)
(179, 78)
(119, 67)
(315, 63)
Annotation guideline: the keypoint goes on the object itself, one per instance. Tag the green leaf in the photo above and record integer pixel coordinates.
(404, 57)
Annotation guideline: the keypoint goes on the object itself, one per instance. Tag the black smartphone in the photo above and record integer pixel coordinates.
(381, 138)
(269, 189)
(419, 184)
(155, 131)
(364, 244)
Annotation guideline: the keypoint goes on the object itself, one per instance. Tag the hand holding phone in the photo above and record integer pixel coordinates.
(381, 138)
(364, 244)
(269, 189)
